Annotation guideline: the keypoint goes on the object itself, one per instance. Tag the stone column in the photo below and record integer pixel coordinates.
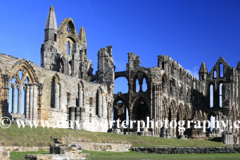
(13, 96)
(140, 84)
(80, 97)
(19, 98)
(27, 92)
(72, 116)
(34, 107)
(30, 102)
(174, 129)
(77, 113)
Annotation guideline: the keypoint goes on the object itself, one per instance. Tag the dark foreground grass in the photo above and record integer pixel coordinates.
(21, 155)
(27, 136)
(141, 156)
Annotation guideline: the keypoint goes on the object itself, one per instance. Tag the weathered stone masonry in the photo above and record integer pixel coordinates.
(64, 87)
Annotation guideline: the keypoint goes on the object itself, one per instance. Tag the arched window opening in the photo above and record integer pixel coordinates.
(127, 116)
(221, 66)
(70, 67)
(10, 99)
(61, 66)
(99, 103)
(211, 124)
(172, 70)
(20, 74)
(220, 95)
(15, 100)
(214, 74)
(121, 85)
(112, 116)
(137, 85)
(55, 37)
(144, 85)
(172, 86)
(162, 65)
(13, 80)
(211, 96)
(23, 109)
(56, 93)
(68, 48)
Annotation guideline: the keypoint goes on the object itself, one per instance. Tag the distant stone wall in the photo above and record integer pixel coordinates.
(182, 150)
(22, 149)
(91, 146)
(114, 147)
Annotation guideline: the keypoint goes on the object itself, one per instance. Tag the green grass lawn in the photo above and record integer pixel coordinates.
(21, 155)
(15, 136)
(141, 156)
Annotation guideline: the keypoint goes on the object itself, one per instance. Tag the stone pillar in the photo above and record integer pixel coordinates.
(80, 97)
(174, 129)
(140, 84)
(13, 96)
(34, 107)
(19, 98)
(77, 113)
(72, 116)
(56, 97)
(27, 92)
(30, 102)
(82, 114)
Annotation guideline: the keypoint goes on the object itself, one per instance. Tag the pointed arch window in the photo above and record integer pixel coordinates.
(23, 95)
(214, 74)
(68, 48)
(211, 95)
(220, 94)
(221, 70)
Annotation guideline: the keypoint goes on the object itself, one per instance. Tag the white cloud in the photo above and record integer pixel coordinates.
(194, 71)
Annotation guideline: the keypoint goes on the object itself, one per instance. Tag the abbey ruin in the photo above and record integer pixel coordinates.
(65, 87)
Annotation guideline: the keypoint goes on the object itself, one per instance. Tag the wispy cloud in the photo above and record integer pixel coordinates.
(194, 71)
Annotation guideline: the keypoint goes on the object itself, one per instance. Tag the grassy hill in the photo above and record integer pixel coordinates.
(43, 137)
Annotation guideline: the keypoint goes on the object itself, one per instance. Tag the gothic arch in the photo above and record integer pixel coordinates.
(172, 109)
(140, 75)
(27, 69)
(140, 108)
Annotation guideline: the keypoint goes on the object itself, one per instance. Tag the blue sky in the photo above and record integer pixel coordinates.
(188, 31)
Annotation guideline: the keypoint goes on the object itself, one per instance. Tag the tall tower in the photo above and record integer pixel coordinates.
(203, 72)
(51, 26)
(50, 49)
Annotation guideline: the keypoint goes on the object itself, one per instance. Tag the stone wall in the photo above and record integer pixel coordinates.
(90, 146)
(113, 147)
(23, 149)
(50, 104)
(181, 150)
